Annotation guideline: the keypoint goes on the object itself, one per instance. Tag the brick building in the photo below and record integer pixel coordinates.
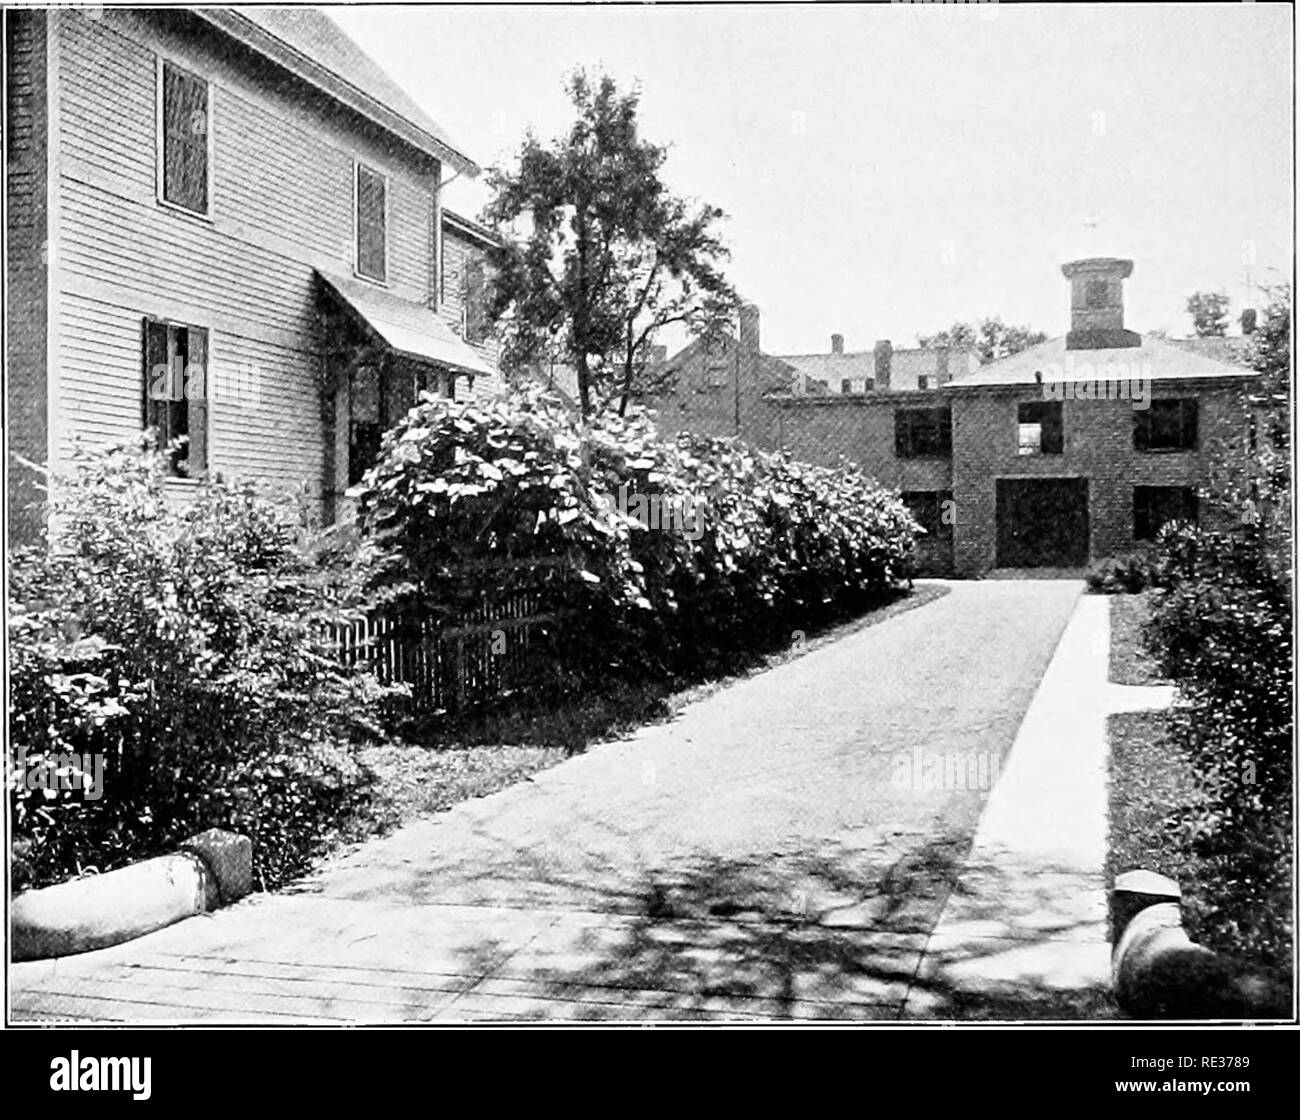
(1074, 449)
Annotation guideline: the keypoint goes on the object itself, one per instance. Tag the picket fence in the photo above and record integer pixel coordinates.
(483, 656)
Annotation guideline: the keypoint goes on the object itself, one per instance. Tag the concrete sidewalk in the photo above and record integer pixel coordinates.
(777, 851)
(1029, 910)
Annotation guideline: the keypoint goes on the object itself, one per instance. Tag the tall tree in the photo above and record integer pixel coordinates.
(990, 338)
(1209, 312)
(597, 255)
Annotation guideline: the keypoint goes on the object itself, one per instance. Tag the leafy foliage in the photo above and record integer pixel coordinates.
(1221, 627)
(1209, 312)
(990, 338)
(1124, 575)
(746, 546)
(597, 255)
(186, 647)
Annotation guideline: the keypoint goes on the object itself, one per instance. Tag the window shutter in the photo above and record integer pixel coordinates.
(1189, 426)
(155, 382)
(1142, 430)
(372, 233)
(902, 440)
(475, 312)
(1053, 430)
(185, 139)
(197, 387)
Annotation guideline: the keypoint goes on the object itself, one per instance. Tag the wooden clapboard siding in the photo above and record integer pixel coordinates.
(456, 253)
(282, 207)
(274, 433)
(26, 277)
(410, 239)
(100, 371)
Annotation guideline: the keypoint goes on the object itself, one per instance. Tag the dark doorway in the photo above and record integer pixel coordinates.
(933, 510)
(1042, 522)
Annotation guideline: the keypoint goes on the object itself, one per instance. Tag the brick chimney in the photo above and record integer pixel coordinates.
(837, 344)
(884, 355)
(1097, 304)
(749, 334)
(942, 374)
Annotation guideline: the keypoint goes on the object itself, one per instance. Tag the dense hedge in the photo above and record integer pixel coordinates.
(1221, 627)
(181, 648)
(680, 554)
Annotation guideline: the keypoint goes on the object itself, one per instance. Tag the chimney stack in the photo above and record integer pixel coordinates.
(1097, 304)
(884, 355)
(837, 344)
(749, 335)
(1249, 320)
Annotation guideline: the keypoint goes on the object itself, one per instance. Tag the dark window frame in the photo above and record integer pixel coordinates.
(171, 351)
(1155, 431)
(1050, 418)
(367, 177)
(1157, 506)
(927, 506)
(923, 433)
(181, 94)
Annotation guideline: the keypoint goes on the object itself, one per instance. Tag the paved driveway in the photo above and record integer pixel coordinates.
(782, 848)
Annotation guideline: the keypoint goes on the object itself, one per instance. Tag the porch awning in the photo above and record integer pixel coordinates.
(405, 326)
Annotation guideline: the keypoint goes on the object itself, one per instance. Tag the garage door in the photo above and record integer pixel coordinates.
(1042, 522)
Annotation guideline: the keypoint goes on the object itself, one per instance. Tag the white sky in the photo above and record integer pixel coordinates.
(890, 168)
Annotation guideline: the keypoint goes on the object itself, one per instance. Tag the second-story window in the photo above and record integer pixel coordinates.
(923, 433)
(1168, 425)
(184, 140)
(372, 224)
(1039, 429)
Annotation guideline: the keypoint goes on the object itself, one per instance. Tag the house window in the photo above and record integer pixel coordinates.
(932, 510)
(922, 381)
(365, 421)
(174, 401)
(1040, 430)
(868, 384)
(846, 386)
(372, 224)
(1156, 506)
(184, 139)
(1168, 425)
(923, 433)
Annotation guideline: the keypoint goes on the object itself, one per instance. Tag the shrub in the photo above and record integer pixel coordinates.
(1123, 575)
(757, 545)
(1221, 628)
(186, 648)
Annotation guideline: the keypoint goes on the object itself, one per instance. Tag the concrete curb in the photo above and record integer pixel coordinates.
(1158, 972)
(214, 869)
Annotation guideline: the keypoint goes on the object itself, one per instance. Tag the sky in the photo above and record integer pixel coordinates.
(887, 169)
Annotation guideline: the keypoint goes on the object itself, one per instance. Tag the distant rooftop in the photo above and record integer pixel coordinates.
(1154, 359)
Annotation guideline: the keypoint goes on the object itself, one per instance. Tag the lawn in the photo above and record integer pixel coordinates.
(1129, 661)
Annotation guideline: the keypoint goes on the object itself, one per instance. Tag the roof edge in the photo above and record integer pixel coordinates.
(240, 27)
(470, 228)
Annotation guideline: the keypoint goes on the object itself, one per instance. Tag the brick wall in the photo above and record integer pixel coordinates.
(1098, 446)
